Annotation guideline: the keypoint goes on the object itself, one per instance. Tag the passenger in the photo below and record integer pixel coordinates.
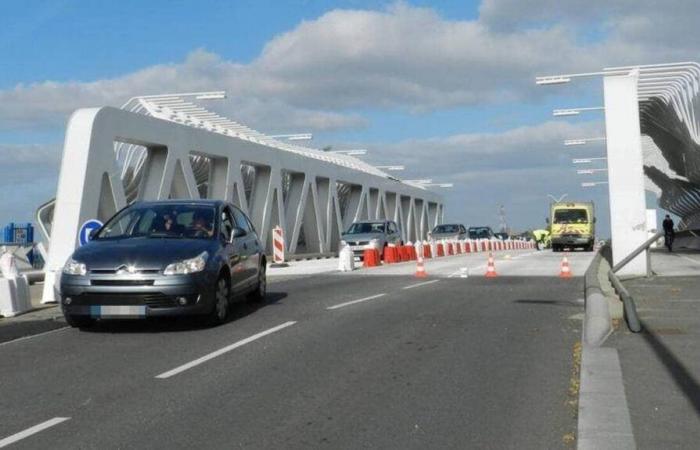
(669, 234)
(201, 227)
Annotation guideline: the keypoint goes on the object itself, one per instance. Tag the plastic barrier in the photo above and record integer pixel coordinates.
(450, 250)
(346, 260)
(14, 288)
(370, 257)
(440, 250)
(391, 254)
(427, 251)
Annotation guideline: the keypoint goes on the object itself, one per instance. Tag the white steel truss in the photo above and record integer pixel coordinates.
(165, 147)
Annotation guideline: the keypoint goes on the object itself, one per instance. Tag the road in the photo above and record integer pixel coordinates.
(329, 361)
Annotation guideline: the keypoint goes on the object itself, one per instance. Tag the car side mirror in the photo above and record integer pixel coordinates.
(546, 220)
(237, 232)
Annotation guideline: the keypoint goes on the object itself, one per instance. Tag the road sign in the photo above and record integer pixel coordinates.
(87, 228)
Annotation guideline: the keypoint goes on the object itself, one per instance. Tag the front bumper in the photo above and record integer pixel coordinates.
(572, 240)
(137, 297)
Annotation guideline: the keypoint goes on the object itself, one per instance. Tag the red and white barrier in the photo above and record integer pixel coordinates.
(278, 245)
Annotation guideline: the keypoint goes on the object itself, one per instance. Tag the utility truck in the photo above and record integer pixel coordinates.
(572, 225)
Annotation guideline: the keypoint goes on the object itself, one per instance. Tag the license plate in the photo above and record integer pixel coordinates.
(118, 312)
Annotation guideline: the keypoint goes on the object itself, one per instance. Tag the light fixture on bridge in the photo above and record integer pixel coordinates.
(419, 181)
(351, 152)
(570, 142)
(590, 171)
(391, 167)
(574, 111)
(587, 160)
(593, 183)
(293, 137)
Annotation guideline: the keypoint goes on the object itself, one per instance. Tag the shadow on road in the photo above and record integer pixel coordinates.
(550, 302)
(680, 374)
(237, 311)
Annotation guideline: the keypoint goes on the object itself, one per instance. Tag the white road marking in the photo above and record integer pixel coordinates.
(221, 351)
(30, 431)
(356, 301)
(24, 338)
(411, 286)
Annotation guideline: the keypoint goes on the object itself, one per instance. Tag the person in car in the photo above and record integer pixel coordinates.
(201, 227)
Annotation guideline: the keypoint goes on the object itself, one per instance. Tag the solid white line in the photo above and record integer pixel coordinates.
(24, 338)
(356, 301)
(221, 351)
(411, 286)
(30, 431)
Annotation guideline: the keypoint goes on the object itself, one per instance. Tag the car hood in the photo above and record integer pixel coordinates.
(143, 253)
(362, 237)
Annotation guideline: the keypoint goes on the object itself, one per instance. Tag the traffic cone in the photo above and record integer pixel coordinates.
(420, 269)
(491, 268)
(565, 271)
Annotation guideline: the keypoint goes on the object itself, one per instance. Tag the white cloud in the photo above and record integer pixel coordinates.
(404, 57)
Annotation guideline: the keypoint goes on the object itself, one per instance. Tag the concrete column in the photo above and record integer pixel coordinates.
(625, 171)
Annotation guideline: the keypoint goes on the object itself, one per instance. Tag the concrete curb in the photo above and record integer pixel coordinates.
(597, 324)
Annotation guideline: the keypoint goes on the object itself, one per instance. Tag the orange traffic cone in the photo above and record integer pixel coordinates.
(420, 269)
(491, 268)
(565, 271)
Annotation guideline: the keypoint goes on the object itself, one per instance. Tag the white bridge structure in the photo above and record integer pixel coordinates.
(161, 147)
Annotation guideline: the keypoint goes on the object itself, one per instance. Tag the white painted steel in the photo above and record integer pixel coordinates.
(294, 186)
(625, 167)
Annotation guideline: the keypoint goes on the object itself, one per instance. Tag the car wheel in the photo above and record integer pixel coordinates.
(79, 321)
(219, 312)
(258, 295)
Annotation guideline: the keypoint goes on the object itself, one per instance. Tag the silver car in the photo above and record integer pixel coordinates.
(449, 231)
(371, 234)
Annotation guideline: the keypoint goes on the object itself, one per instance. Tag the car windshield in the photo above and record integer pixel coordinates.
(479, 233)
(188, 221)
(367, 227)
(564, 216)
(446, 229)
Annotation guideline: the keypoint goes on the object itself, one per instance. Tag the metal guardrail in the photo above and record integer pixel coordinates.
(630, 308)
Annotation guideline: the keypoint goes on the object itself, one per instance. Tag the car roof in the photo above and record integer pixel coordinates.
(450, 224)
(186, 201)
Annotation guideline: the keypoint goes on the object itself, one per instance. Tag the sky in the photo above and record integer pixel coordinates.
(445, 87)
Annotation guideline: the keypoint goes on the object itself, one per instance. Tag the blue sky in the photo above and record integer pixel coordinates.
(445, 86)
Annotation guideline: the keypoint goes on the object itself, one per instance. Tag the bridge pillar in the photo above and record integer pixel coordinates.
(625, 171)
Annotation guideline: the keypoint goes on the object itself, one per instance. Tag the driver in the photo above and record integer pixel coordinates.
(201, 227)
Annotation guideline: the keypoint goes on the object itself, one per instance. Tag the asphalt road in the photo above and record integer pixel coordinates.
(450, 363)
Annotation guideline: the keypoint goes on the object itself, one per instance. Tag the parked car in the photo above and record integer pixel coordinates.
(165, 258)
(371, 234)
(449, 231)
(480, 233)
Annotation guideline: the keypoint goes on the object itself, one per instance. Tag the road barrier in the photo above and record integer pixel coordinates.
(14, 288)
(565, 271)
(491, 267)
(370, 257)
(420, 269)
(391, 254)
(427, 251)
(346, 260)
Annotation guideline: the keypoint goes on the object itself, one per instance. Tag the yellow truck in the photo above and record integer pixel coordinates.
(572, 225)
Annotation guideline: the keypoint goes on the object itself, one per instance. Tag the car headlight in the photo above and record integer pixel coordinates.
(374, 243)
(74, 267)
(343, 243)
(192, 265)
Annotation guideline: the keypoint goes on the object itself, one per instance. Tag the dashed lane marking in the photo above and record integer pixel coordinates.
(221, 351)
(411, 286)
(32, 430)
(341, 305)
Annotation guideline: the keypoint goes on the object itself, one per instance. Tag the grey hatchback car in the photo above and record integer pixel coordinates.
(165, 258)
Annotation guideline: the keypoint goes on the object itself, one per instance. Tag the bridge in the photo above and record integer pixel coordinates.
(460, 342)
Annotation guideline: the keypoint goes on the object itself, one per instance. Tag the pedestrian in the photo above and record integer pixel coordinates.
(669, 234)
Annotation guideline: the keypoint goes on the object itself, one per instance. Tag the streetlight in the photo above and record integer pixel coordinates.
(586, 160)
(352, 152)
(590, 171)
(557, 200)
(209, 95)
(440, 185)
(562, 79)
(293, 137)
(593, 183)
(391, 167)
(585, 141)
(419, 181)
(574, 111)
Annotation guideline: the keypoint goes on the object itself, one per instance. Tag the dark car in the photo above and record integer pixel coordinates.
(480, 233)
(165, 258)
